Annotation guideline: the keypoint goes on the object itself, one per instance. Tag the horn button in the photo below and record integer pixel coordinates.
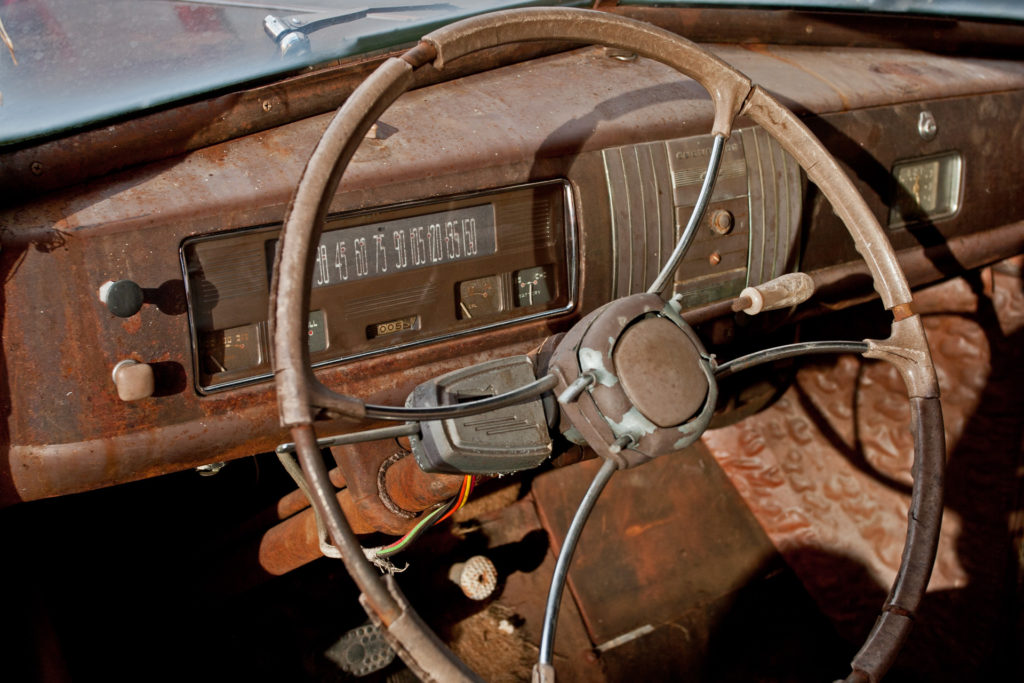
(660, 370)
(634, 381)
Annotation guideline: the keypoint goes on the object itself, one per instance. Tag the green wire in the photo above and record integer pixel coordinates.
(404, 541)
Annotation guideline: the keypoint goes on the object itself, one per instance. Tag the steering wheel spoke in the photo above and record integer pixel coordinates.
(777, 353)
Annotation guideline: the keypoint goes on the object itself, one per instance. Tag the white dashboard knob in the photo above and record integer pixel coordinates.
(134, 380)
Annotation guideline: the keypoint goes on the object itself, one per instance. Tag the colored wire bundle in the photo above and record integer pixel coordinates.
(435, 516)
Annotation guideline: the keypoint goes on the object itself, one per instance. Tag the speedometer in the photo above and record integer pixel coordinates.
(386, 279)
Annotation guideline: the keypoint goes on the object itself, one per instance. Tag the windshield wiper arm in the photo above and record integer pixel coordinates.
(292, 33)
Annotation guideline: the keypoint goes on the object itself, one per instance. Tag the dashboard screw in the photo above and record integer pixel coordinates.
(37, 168)
(927, 128)
(267, 105)
(715, 258)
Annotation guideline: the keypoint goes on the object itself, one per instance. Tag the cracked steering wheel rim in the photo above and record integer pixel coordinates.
(301, 398)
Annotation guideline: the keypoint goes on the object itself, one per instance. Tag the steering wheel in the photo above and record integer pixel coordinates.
(302, 398)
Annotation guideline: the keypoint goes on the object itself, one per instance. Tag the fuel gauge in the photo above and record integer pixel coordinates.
(481, 297)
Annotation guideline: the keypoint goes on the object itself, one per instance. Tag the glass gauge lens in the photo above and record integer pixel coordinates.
(533, 286)
(236, 348)
(317, 332)
(480, 297)
(926, 189)
(919, 183)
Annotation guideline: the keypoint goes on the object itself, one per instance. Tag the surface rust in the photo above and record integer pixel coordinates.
(412, 489)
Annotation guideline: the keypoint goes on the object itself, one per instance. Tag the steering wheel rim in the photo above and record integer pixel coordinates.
(301, 398)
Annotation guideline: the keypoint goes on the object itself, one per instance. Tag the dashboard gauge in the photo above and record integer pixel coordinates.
(532, 286)
(234, 349)
(926, 189)
(386, 278)
(480, 297)
(317, 332)
(920, 182)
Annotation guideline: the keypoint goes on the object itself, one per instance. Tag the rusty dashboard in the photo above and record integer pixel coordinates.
(510, 201)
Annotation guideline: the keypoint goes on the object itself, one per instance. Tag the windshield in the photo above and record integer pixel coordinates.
(72, 63)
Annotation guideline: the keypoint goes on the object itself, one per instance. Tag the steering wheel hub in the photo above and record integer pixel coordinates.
(650, 385)
(661, 371)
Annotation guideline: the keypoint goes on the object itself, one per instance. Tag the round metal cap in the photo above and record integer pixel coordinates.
(660, 371)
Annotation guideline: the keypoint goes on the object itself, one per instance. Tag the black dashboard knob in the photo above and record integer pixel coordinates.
(123, 298)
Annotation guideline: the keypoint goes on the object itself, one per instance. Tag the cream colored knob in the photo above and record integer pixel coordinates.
(134, 380)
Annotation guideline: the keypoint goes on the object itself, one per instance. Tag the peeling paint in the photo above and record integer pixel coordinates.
(592, 360)
(633, 423)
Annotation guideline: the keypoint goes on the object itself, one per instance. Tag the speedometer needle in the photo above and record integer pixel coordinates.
(462, 305)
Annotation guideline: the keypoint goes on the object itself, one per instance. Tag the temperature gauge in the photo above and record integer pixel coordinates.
(532, 286)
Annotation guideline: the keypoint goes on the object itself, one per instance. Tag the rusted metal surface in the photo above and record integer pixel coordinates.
(938, 34)
(60, 342)
(417, 491)
(294, 542)
(672, 531)
(827, 468)
(412, 489)
(192, 126)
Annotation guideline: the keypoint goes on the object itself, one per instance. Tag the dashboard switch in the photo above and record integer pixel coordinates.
(134, 380)
(123, 298)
